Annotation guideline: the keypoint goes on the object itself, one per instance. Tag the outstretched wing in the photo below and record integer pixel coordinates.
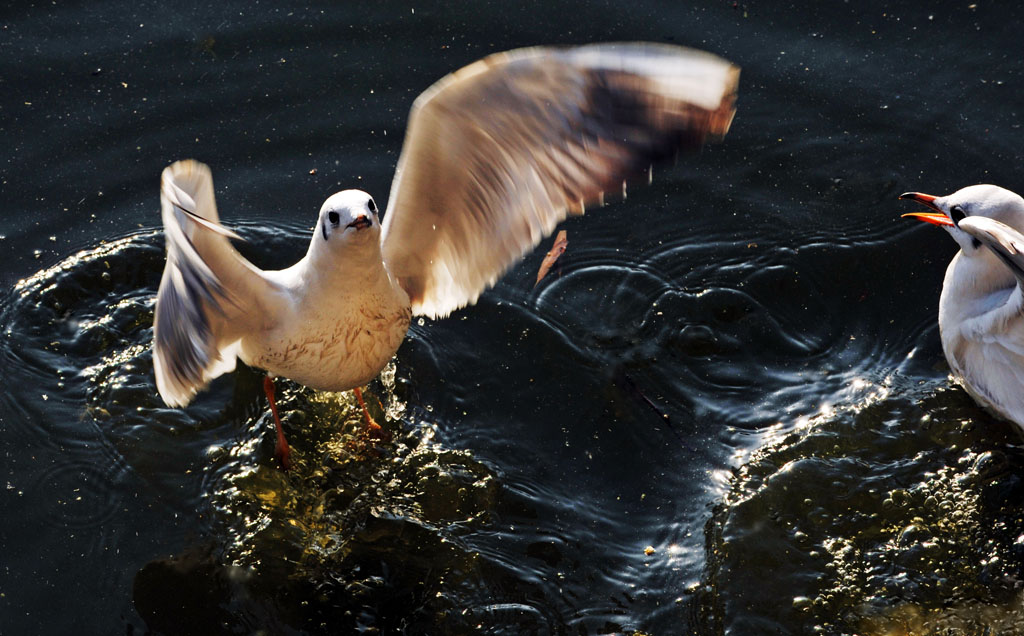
(209, 294)
(497, 153)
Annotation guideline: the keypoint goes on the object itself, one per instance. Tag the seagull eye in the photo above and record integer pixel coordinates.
(333, 218)
(957, 214)
(372, 206)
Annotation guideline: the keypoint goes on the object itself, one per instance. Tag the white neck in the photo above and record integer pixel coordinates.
(339, 269)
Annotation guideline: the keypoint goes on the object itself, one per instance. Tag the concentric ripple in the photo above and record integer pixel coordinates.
(78, 333)
(76, 495)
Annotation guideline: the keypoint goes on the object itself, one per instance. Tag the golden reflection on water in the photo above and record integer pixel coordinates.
(283, 514)
(883, 516)
(345, 488)
(967, 619)
(112, 248)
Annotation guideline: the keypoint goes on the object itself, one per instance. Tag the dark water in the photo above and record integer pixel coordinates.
(738, 367)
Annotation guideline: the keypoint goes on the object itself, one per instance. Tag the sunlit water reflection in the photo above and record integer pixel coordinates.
(867, 495)
(895, 514)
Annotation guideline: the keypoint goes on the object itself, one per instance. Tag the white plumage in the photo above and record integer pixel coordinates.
(981, 309)
(495, 155)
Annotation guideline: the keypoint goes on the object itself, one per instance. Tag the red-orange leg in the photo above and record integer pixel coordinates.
(281, 450)
(372, 427)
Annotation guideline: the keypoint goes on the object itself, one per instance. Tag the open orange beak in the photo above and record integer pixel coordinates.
(935, 218)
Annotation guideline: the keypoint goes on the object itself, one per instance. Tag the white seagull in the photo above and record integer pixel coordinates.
(495, 155)
(981, 309)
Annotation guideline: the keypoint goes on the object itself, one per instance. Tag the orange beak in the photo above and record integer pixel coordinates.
(935, 218)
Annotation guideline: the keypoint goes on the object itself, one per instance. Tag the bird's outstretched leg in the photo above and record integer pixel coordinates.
(281, 450)
(373, 429)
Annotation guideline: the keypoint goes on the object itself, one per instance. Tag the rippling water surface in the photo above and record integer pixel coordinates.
(727, 412)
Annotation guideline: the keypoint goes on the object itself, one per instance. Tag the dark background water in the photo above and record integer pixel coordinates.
(738, 367)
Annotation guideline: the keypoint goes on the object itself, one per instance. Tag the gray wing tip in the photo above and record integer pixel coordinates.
(608, 55)
(181, 334)
(186, 356)
(1003, 240)
(174, 393)
(991, 231)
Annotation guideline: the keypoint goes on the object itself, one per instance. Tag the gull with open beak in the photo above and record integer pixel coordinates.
(495, 155)
(981, 309)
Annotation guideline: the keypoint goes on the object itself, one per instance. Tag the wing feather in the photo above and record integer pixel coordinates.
(497, 153)
(1006, 242)
(989, 354)
(209, 294)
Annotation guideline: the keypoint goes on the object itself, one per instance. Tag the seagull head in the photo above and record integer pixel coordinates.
(976, 200)
(347, 217)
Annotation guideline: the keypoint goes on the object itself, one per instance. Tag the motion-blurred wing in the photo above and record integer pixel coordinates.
(497, 153)
(209, 294)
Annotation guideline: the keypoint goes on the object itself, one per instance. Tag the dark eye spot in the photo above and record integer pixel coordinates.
(372, 206)
(957, 214)
(333, 218)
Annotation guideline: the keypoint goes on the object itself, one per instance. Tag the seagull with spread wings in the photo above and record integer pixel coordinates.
(981, 309)
(495, 155)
